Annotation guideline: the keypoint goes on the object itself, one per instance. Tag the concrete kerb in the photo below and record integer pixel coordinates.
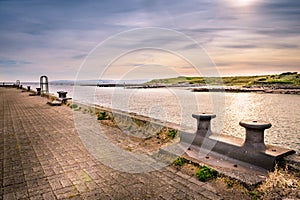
(122, 116)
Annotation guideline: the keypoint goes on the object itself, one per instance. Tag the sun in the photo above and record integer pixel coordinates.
(244, 2)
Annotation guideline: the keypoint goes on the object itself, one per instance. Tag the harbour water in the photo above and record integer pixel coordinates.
(178, 104)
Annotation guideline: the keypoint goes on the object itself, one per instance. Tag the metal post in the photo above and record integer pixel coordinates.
(38, 91)
(62, 94)
(203, 123)
(44, 85)
(255, 134)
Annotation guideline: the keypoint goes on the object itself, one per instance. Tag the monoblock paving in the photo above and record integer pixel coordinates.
(42, 157)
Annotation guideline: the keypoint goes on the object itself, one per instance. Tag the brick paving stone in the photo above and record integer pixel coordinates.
(49, 196)
(43, 157)
(8, 196)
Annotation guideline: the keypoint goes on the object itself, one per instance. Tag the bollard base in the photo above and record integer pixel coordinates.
(232, 147)
(227, 155)
(63, 100)
(246, 173)
(54, 103)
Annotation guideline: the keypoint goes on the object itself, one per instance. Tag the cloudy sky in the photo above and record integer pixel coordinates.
(59, 38)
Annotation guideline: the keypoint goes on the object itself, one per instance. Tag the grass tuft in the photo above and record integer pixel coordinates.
(172, 133)
(206, 173)
(103, 116)
(73, 106)
(180, 161)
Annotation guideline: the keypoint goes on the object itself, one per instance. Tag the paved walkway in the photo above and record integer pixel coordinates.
(42, 157)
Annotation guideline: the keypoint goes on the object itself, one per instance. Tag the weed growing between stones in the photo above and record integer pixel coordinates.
(180, 161)
(172, 133)
(103, 116)
(206, 173)
(229, 182)
(73, 106)
(254, 194)
(52, 98)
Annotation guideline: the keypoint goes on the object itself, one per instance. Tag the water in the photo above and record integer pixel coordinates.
(177, 105)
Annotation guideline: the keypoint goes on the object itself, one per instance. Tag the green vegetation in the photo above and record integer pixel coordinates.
(254, 194)
(206, 173)
(172, 133)
(287, 78)
(103, 116)
(53, 98)
(229, 182)
(73, 106)
(180, 161)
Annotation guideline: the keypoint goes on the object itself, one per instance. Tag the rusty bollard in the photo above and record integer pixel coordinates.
(203, 123)
(38, 91)
(255, 134)
(28, 88)
(62, 94)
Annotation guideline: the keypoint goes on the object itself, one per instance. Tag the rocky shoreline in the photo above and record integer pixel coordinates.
(258, 89)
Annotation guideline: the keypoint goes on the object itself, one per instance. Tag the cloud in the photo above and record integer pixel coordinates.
(54, 34)
(241, 46)
(285, 46)
(8, 62)
(4, 62)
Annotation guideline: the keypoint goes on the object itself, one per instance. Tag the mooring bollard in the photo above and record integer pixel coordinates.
(203, 123)
(252, 150)
(38, 91)
(28, 88)
(62, 94)
(17, 85)
(255, 134)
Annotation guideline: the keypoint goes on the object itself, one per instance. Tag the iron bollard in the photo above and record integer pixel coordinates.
(28, 88)
(20, 86)
(255, 134)
(252, 150)
(62, 94)
(17, 83)
(203, 123)
(38, 91)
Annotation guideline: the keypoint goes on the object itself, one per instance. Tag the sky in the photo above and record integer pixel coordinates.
(137, 39)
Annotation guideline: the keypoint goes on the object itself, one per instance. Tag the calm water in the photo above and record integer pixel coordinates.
(177, 105)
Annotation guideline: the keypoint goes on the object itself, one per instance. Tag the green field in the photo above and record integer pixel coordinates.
(287, 78)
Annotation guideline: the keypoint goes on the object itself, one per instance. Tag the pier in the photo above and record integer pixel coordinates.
(42, 157)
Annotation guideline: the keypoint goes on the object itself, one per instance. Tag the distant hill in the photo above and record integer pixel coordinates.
(287, 78)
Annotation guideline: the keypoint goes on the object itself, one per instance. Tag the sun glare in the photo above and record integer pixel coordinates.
(244, 2)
